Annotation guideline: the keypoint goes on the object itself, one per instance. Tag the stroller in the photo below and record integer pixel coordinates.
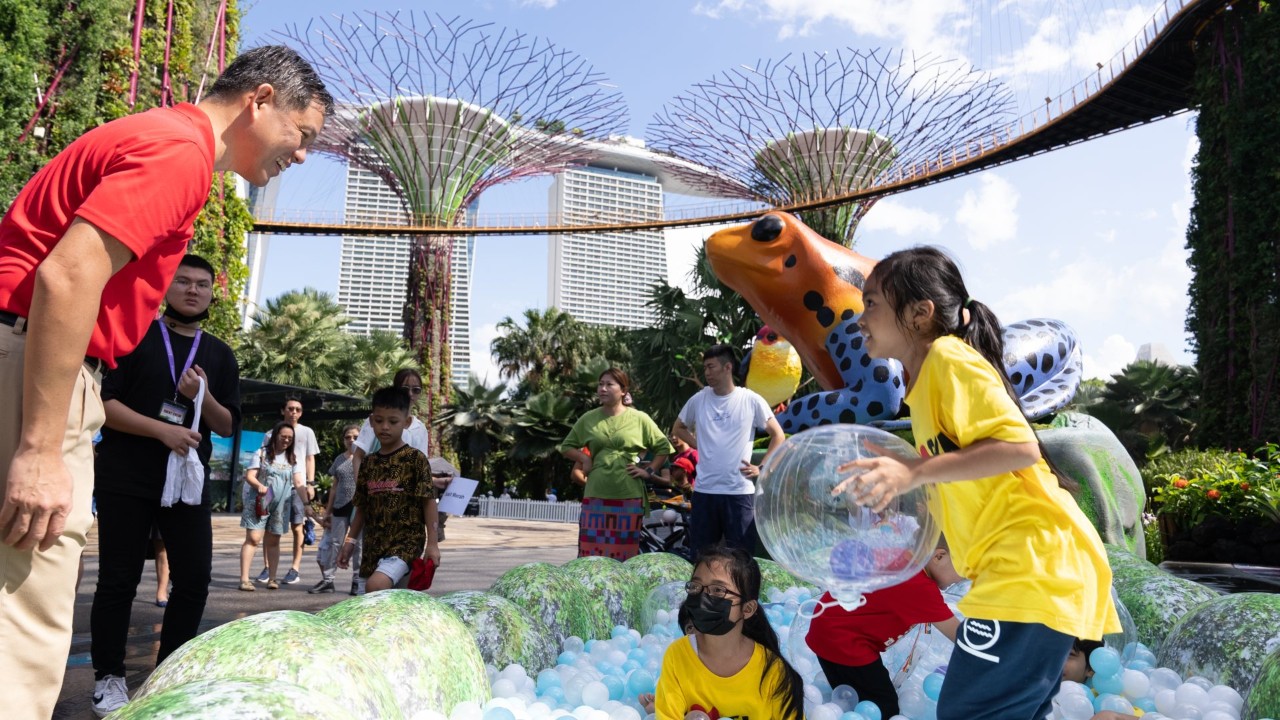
(666, 527)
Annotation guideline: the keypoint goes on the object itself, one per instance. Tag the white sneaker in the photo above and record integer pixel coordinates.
(109, 694)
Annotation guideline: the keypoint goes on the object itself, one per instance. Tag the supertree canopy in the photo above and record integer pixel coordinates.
(442, 109)
(823, 124)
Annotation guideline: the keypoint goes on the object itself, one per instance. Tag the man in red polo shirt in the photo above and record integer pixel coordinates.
(87, 251)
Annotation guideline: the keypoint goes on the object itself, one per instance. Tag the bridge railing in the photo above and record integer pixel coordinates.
(901, 177)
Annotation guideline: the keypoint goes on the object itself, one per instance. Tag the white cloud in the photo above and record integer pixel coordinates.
(1110, 358)
(897, 217)
(482, 364)
(935, 26)
(989, 216)
(544, 4)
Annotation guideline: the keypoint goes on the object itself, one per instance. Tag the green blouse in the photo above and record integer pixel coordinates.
(615, 442)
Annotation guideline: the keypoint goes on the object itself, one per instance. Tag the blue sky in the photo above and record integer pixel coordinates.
(1092, 234)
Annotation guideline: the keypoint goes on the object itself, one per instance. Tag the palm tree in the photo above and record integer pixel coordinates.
(372, 362)
(297, 339)
(667, 357)
(476, 423)
(537, 430)
(547, 348)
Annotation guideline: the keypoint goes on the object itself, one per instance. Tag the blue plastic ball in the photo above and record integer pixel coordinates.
(933, 686)
(567, 658)
(1108, 684)
(640, 681)
(1104, 661)
(547, 679)
(869, 710)
(617, 686)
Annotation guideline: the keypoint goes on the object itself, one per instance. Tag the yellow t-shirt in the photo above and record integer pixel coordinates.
(686, 684)
(1030, 551)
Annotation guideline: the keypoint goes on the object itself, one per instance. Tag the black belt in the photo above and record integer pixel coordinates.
(8, 318)
(11, 319)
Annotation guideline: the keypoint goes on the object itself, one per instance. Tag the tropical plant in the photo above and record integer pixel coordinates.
(1151, 407)
(537, 430)
(667, 357)
(372, 361)
(475, 423)
(1235, 485)
(297, 339)
(543, 352)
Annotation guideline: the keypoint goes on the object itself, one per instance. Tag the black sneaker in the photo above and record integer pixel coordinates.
(355, 587)
(324, 586)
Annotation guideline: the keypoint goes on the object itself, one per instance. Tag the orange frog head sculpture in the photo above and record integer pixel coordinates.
(798, 282)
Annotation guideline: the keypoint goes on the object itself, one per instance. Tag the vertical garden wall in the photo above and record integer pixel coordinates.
(1234, 235)
(67, 67)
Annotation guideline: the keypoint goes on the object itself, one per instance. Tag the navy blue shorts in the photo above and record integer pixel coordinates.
(731, 518)
(1003, 670)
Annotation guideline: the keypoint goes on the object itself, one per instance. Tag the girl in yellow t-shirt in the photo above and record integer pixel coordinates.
(1040, 574)
(730, 665)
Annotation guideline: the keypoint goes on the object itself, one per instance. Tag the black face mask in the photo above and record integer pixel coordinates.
(185, 319)
(710, 616)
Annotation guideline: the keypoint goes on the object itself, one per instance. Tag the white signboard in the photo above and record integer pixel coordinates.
(457, 495)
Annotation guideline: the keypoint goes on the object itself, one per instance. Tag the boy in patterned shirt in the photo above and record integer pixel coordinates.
(394, 502)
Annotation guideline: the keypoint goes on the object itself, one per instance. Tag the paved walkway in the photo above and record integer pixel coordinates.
(475, 552)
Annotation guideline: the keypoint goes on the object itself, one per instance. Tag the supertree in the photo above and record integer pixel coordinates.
(442, 109)
(827, 123)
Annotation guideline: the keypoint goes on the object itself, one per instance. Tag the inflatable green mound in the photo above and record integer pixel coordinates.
(284, 645)
(425, 652)
(505, 634)
(609, 583)
(1225, 639)
(236, 699)
(543, 591)
(1155, 599)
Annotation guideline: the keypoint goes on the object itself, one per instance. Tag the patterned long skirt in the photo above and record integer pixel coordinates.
(610, 527)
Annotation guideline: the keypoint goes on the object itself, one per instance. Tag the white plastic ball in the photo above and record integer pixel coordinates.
(1189, 693)
(1136, 684)
(595, 694)
(1223, 693)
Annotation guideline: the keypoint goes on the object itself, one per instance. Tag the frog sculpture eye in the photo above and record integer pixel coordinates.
(766, 229)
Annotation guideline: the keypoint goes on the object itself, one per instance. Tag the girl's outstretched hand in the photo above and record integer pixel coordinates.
(881, 479)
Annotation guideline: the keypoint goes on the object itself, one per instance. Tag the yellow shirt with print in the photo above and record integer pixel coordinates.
(686, 684)
(1030, 551)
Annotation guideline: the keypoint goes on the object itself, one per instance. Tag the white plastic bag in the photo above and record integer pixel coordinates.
(184, 478)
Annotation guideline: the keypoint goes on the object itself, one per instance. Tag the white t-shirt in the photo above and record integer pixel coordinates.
(415, 436)
(304, 445)
(299, 467)
(726, 426)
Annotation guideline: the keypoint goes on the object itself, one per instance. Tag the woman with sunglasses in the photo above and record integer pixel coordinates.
(730, 665)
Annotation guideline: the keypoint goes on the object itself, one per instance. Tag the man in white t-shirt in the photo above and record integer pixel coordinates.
(304, 446)
(721, 421)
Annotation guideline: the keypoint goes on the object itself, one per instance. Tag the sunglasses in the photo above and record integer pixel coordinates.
(413, 389)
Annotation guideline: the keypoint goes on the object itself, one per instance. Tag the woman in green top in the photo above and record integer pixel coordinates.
(614, 501)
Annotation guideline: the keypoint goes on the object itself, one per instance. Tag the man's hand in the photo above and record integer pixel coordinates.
(37, 501)
(178, 438)
(433, 552)
(586, 464)
(189, 383)
(344, 555)
(749, 471)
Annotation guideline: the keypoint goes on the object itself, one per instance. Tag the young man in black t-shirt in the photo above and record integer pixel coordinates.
(149, 404)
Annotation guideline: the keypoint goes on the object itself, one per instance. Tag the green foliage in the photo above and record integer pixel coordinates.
(475, 423)
(667, 356)
(298, 339)
(1235, 485)
(1234, 313)
(220, 230)
(1151, 407)
(1151, 536)
(547, 350)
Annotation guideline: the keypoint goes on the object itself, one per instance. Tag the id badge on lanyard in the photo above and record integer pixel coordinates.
(173, 411)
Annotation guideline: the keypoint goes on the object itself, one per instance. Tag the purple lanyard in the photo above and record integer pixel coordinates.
(168, 349)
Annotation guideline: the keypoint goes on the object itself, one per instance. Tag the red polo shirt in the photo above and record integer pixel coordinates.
(857, 637)
(142, 179)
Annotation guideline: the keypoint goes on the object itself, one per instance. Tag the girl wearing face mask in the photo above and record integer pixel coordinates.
(730, 665)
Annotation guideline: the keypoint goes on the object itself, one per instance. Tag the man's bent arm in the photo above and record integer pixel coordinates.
(64, 307)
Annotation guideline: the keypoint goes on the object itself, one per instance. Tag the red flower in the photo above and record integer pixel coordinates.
(1244, 486)
(1180, 483)
(1213, 494)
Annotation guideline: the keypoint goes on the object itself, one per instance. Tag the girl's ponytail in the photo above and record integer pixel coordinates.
(928, 273)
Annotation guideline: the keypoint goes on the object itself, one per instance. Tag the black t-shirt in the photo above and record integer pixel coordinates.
(133, 464)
